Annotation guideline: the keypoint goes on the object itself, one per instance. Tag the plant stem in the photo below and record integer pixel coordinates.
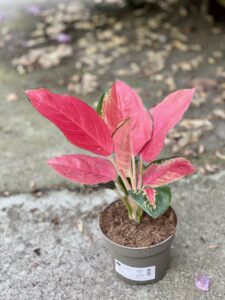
(139, 215)
(124, 179)
(141, 173)
(127, 205)
(123, 198)
(134, 173)
(133, 207)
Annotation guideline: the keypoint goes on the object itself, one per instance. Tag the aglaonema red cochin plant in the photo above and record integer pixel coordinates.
(128, 140)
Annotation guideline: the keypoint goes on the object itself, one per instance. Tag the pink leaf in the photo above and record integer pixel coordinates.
(122, 102)
(83, 168)
(167, 172)
(81, 125)
(122, 146)
(150, 193)
(202, 282)
(165, 116)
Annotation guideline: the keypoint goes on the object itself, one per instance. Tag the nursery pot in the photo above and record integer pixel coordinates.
(139, 265)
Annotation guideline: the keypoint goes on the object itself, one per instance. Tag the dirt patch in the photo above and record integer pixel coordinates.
(116, 225)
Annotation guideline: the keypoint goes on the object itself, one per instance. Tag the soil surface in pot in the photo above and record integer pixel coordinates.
(116, 225)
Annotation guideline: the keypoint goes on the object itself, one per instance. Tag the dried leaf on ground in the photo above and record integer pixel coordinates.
(201, 149)
(80, 225)
(46, 57)
(204, 84)
(220, 99)
(200, 98)
(208, 169)
(213, 246)
(185, 138)
(83, 84)
(219, 113)
(12, 97)
(196, 123)
(170, 82)
(185, 66)
(220, 155)
(132, 69)
(194, 129)
(180, 46)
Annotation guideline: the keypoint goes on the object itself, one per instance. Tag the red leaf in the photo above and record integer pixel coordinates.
(81, 125)
(150, 193)
(122, 102)
(165, 116)
(122, 146)
(83, 168)
(167, 172)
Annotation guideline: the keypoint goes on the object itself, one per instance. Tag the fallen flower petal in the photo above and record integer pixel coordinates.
(2, 17)
(202, 282)
(63, 38)
(34, 10)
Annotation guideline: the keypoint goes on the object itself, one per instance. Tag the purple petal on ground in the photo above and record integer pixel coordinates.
(202, 282)
(34, 10)
(2, 17)
(63, 38)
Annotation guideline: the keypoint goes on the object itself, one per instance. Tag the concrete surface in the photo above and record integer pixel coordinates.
(70, 261)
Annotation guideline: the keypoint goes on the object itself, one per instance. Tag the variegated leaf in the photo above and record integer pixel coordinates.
(162, 202)
(165, 116)
(121, 102)
(122, 146)
(80, 123)
(167, 172)
(150, 194)
(83, 168)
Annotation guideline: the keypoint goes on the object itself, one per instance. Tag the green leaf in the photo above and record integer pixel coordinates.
(101, 99)
(160, 161)
(99, 106)
(108, 185)
(122, 186)
(163, 200)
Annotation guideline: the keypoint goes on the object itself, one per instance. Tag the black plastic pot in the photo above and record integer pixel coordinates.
(139, 265)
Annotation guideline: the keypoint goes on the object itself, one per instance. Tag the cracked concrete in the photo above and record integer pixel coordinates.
(52, 249)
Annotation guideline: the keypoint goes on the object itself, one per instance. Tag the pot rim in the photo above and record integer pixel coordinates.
(136, 248)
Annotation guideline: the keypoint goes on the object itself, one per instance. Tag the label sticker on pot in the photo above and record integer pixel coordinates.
(139, 274)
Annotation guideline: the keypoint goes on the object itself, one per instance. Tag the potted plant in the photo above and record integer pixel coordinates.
(139, 227)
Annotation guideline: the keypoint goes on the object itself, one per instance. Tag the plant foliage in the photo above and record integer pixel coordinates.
(128, 136)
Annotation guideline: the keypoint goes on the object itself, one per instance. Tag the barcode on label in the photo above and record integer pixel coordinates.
(138, 274)
(148, 272)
